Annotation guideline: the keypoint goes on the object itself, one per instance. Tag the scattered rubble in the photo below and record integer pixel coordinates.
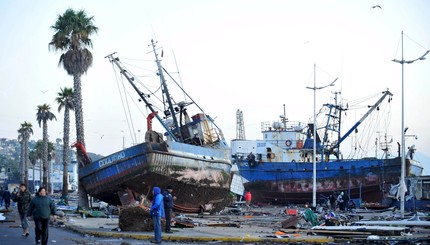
(256, 224)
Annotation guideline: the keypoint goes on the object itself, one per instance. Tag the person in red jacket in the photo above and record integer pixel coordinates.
(248, 197)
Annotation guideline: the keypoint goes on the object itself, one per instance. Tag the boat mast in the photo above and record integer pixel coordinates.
(130, 79)
(166, 92)
(333, 122)
(385, 94)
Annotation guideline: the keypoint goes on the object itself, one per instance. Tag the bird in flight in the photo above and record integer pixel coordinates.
(44, 91)
(376, 6)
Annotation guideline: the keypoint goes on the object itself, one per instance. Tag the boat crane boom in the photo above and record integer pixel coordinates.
(385, 94)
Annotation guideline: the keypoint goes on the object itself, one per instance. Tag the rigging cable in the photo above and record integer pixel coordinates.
(127, 116)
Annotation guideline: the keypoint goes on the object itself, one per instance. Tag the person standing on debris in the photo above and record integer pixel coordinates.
(248, 197)
(340, 202)
(23, 199)
(332, 201)
(41, 208)
(157, 211)
(351, 206)
(6, 198)
(168, 199)
(345, 202)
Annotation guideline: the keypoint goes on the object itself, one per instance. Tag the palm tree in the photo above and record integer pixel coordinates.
(65, 100)
(43, 115)
(39, 149)
(32, 156)
(72, 37)
(24, 135)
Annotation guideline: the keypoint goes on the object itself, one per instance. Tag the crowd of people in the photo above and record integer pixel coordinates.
(340, 201)
(40, 208)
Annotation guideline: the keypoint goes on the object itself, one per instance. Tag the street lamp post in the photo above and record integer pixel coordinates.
(403, 160)
(314, 160)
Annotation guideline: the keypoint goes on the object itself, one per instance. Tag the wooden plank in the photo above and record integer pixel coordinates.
(394, 222)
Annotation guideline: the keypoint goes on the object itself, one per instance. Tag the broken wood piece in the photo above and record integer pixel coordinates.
(225, 225)
(290, 222)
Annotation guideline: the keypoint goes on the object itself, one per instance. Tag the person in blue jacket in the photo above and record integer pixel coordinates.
(157, 211)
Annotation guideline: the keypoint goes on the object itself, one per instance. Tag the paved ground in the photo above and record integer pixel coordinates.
(77, 230)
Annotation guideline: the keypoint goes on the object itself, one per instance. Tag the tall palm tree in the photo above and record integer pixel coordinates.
(43, 115)
(72, 37)
(65, 100)
(24, 131)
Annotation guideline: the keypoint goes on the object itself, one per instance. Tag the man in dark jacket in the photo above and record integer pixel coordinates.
(23, 199)
(6, 198)
(41, 207)
(168, 199)
(1, 196)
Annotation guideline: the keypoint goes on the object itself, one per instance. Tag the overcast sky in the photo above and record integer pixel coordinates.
(249, 55)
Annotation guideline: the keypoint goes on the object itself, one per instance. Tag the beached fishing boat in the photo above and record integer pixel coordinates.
(192, 155)
(279, 167)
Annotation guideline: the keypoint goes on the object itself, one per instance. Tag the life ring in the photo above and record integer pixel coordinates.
(293, 161)
(288, 143)
(300, 144)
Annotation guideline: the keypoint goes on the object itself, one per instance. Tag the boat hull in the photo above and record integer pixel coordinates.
(200, 176)
(280, 182)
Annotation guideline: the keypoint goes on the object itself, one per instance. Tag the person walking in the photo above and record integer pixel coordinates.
(14, 193)
(41, 208)
(157, 211)
(23, 199)
(168, 199)
(6, 198)
(1, 196)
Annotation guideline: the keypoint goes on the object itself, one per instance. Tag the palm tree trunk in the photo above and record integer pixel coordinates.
(66, 133)
(45, 156)
(25, 162)
(80, 136)
(40, 173)
(21, 163)
(34, 183)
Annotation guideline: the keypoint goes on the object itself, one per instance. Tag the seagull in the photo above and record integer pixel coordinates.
(44, 91)
(376, 6)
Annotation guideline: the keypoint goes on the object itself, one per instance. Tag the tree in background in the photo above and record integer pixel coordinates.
(9, 166)
(65, 100)
(32, 156)
(43, 115)
(24, 133)
(38, 149)
(72, 37)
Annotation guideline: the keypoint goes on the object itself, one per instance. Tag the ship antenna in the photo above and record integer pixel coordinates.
(166, 91)
(179, 74)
